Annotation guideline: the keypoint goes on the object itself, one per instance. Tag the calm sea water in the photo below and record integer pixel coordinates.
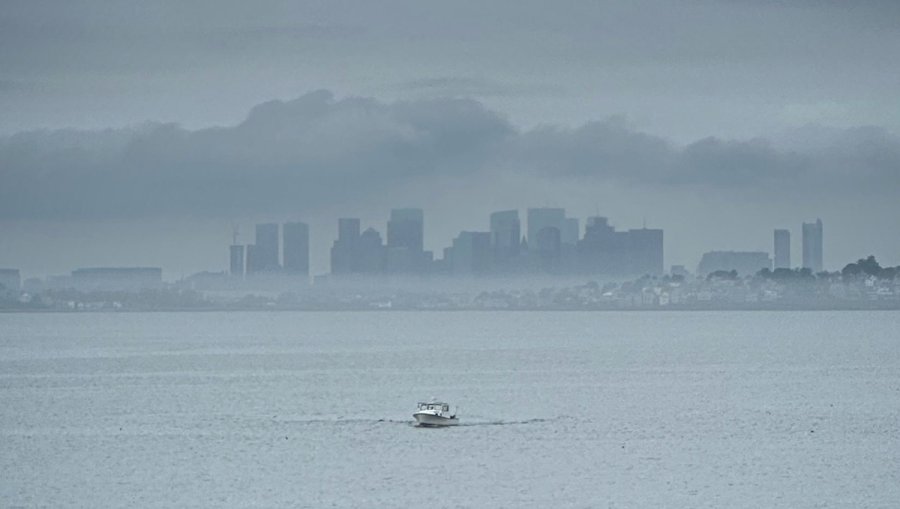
(639, 409)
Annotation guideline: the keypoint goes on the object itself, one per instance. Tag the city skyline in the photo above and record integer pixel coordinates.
(603, 269)
(286, 249)
(559, 248)
(597, 249)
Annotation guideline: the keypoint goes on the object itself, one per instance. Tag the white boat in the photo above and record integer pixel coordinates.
(435, 414)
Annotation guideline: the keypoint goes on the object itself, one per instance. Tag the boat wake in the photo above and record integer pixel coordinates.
(487, 422)
(344, 421)
(341, 421)
(505, 423)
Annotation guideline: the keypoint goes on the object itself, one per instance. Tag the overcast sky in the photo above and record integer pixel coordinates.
(137, 133)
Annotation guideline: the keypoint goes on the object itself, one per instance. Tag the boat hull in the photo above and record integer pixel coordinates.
(427, 420)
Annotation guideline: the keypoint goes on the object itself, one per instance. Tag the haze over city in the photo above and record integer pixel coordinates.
(404, 253)
(140, 135)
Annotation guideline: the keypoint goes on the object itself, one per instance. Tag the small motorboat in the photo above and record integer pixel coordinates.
(435, 414)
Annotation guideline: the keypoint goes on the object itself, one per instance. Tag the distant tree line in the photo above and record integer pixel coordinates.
(863, 267)
(869, 267)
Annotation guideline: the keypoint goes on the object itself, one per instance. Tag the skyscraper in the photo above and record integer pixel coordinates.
(471, 253)
(812, 246)
(541, 218)
(569, 231)
(406, 228)
(296, 248)
(646, 251)
(348, 229)
(345, 254)
(265, 254)
(782, 249)
(506, 234)
(598, 230)
(237, 260)
(548, 248)
(405, 241)
(253, 264)
(603, 250)
(371, 252)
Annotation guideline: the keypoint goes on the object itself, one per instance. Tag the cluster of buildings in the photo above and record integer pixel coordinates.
(553, 244)
(624, 270)
(262, 257)
(547, 242)
(748, 263)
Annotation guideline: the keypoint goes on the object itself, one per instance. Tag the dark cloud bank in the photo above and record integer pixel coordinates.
(315, 150)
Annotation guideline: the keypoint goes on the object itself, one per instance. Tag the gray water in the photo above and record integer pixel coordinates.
(645, 409)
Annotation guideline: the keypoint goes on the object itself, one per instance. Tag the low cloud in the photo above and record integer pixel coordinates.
(727, 163)
(285, 156)
(317, 150)
(605, 150)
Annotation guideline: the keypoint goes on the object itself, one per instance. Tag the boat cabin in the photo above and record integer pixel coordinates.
(439, 407)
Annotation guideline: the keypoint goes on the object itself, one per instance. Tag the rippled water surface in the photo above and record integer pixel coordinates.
(558, 409)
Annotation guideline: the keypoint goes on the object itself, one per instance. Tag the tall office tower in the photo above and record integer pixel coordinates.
(569, 230)
(646, 251)
(541, 218)
(506, 234)
(345, 256)
(406, 228)
(371, 252)
(296, 248)
(253, 264)
(782, 249)
(237, 260)
(471, 253)
(266, 252)
(812, 246)
(348, 229)
(603, 250)
(598, 230)
(405, 241)
(548, 242)
(599, 251)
